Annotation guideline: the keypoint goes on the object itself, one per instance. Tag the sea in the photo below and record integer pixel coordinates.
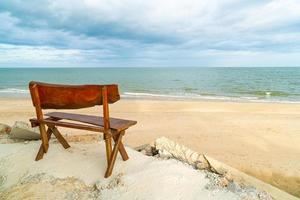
(269, 84)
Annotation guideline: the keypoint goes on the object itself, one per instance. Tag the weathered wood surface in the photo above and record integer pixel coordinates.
(67, 124)
(39, 114)
(115, 123)
(113, 156)
(54, 96)
(41, 152)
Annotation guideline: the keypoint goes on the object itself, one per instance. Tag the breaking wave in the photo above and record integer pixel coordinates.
(14, 91)
(192, 96)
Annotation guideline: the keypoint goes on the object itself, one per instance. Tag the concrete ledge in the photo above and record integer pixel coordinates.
(169, 148)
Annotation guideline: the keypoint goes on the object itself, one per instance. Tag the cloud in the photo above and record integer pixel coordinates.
(150, 33)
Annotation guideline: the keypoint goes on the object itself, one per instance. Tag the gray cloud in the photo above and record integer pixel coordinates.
(167, 33)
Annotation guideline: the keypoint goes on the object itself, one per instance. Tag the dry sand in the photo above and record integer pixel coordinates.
(261, 139)
(77, 173)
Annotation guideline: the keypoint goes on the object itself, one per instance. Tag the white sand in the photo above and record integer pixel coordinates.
(260, 139)
(77, 173)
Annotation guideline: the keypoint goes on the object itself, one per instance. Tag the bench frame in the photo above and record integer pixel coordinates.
(51, 122)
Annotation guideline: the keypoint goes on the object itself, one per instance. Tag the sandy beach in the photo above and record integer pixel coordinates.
(261, 139)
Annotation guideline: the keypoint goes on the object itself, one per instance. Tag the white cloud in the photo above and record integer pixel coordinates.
(275, 14)
(156, 31)
(47, 56)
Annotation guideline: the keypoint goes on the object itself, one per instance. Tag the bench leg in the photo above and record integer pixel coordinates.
(59, 137)
(113, 156)
(121, 146)
(107, 139)
(41, 152)
(44, 139)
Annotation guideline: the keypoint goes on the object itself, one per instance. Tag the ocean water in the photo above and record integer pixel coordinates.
(232, 84)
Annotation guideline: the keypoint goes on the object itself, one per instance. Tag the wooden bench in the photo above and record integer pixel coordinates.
(54, 96)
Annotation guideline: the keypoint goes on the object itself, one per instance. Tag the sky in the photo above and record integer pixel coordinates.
(155, 33)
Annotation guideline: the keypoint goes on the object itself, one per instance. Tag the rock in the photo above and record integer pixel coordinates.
(22, 130)
(223, 182)
(143, 151)
(4, 129)
(154, 151)
(228, 176)
(147, 150)
(150, 151)
(168, 149)
(202, 165)
(165, 154)
(142, 147)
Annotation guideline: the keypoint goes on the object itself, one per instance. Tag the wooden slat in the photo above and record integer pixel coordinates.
(115, 123)
(56, 96)
(68, 125)
(60, 138)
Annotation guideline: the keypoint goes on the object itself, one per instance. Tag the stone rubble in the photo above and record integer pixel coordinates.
(22, 130)
(4, 129)
(164, 148)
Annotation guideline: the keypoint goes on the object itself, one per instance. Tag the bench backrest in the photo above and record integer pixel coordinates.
(54, 96)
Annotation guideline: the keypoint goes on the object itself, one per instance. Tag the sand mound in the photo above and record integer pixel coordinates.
(77, 173)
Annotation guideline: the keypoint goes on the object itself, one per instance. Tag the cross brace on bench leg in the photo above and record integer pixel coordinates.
(59, 137)
(41, 152)
(121, 146)
(113, 156)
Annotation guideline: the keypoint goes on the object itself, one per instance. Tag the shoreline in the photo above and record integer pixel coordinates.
(27, 97)
(261, 139)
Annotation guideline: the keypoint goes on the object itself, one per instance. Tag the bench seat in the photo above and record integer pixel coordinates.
(96, 122)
